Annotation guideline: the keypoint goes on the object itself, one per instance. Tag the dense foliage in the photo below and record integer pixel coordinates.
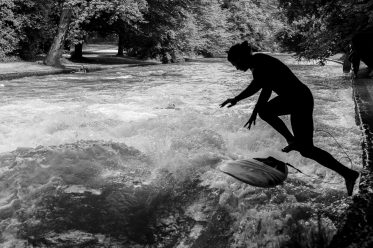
(9, 28)
(158, 33)
(203, 27)
(319, 28)
(170, 29)
(38, 26)
(25, 27)
(167, 29)
(255, 21)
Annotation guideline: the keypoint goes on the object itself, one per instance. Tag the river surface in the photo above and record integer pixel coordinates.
(129, 157)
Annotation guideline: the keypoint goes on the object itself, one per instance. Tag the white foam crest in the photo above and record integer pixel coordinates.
(166, 127)
(121, 112)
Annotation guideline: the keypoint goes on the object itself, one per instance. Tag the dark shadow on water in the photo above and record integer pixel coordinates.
(145, 215)
(125, 213)
(105, 59)
(207, 60)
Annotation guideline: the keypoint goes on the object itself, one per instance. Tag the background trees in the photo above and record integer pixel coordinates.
(320, 28)
(171, 29)
(164, 29)
(206, 31)
(26, 27)
(9, 28)
(156, 36)
(255, 21)
(38, 22)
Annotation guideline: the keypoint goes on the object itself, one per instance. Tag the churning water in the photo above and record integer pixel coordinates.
(128, 158)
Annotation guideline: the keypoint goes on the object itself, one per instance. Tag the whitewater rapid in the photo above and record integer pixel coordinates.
(129, 156)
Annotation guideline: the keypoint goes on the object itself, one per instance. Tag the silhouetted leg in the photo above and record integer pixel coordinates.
(301, 118)
(302, 125)
(270, 113)
(326, 159)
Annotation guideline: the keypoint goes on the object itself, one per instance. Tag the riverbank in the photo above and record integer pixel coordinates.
(356, 230)
(95, 57)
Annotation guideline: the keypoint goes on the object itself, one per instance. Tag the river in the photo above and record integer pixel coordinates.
(129, 157)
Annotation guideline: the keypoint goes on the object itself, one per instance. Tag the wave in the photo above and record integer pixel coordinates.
(96, 187)
(118, 166)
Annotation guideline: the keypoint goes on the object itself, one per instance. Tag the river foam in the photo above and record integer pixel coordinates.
(117, 160)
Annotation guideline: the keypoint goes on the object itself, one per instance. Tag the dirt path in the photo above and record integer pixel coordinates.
(95, 57)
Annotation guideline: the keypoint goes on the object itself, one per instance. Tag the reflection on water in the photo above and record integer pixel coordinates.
(128, 157)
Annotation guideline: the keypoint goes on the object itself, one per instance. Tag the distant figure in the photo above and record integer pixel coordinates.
(293, 98)
(355, 62)
(361, 50)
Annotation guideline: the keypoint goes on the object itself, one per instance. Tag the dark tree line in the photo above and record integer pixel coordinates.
(319, 28)
(168, 30)
(162, 29)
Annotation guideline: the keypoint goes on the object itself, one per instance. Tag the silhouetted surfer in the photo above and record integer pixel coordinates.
(293, 98)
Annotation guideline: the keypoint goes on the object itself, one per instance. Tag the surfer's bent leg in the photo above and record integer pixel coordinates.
(326, 159)
(270, 113)
(302, 125)
(301, 118)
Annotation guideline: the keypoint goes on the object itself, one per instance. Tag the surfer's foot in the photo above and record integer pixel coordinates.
(350, 182)
(291, 147)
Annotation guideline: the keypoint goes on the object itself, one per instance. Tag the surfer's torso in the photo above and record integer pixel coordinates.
(271, 73)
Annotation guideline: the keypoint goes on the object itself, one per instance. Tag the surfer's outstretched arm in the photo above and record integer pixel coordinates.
(264, 96)
(253, 88)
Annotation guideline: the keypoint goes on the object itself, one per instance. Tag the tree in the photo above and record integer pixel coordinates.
(105, 18)
(157, 35)
(254, 21)
(320, 28)
(109, 16)
(55, 52)
(174, 28)
(212, 27)
(162, 29)
(9, 29)
(38, 22)
(122, 17)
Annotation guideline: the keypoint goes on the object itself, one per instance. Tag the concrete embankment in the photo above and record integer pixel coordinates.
(356, 229)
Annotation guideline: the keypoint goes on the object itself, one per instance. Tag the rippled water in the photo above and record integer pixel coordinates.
(128, 158)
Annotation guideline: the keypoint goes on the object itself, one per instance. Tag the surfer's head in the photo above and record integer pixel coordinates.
(240, 56)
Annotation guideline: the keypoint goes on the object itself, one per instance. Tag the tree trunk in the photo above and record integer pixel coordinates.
(55, 52)
(78, 51)
(120, 44)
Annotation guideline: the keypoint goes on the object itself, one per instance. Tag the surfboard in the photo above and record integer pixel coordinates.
(259, 172)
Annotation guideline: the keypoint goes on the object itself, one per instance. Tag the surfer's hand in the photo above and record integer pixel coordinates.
(232, 102)
(251, 121)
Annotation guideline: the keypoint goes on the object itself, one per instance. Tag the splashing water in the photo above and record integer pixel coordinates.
(128, 156)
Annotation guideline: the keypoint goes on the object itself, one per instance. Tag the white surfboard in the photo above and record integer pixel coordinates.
(260, 172)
